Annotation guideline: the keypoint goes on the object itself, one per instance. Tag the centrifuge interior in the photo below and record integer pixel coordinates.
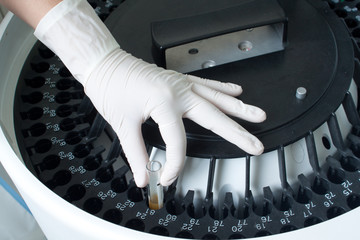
(69, 167)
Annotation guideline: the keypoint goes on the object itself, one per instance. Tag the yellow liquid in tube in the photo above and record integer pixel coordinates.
(154, 203)
(155, 190)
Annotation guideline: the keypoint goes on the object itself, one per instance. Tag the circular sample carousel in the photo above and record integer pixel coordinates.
(296, 60)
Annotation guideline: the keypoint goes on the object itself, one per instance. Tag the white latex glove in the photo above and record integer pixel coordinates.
(126, 91)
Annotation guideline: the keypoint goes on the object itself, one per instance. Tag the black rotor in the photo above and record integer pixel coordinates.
(318, 56)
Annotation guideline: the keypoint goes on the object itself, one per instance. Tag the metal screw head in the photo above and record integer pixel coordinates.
(245, 46)
(208, 64)
(301, 93)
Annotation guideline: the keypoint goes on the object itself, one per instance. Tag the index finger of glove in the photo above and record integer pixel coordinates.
(230, 105)
(227, 88)
(208, 116)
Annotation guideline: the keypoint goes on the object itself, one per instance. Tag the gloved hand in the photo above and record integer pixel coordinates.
(126, 91)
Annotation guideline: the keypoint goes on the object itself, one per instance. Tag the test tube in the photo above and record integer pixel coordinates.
(155, 189)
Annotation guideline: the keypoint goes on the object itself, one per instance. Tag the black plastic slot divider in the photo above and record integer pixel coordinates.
(282, 168)
(335, 133)
(312, 154)
(210, 183)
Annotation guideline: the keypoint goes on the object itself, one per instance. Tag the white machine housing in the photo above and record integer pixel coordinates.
(61, 220)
